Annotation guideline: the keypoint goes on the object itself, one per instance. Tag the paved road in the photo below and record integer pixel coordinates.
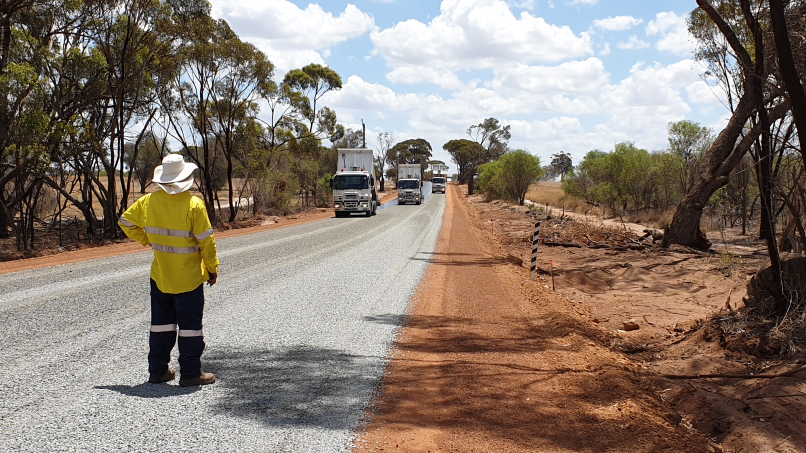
(297, 331)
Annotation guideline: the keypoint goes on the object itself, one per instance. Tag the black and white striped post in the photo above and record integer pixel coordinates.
(535, 240)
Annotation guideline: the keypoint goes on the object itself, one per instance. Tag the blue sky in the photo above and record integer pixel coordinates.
(571, 75)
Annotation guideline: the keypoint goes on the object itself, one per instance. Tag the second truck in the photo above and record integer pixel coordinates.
(409, 184)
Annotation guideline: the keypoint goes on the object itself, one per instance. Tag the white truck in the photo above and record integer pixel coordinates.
(439, 178)
(354, 183)
(409, 184)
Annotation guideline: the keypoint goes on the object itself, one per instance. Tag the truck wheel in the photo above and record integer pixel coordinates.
(375, 208)
(418, 202)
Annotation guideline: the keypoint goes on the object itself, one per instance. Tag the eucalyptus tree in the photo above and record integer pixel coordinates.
(468, 156)
(728, 32)
(492, 136)
(243, 77)
(133, 41)
(412, 151)
(386, 141)
(561, 164)
(187, 108)
(689, 141)
(311, 83)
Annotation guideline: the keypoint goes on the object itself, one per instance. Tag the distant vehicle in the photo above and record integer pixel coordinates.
(354, 183)
(439, 180)
(409, 184)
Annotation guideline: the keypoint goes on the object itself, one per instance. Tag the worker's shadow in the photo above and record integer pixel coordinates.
(147, 390)
(295, 385)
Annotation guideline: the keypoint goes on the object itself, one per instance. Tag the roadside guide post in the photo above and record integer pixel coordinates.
(535, 240)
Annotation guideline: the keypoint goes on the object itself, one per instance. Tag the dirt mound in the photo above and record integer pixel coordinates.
(590, 283)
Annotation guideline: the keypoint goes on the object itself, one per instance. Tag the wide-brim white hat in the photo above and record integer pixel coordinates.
(174, 175)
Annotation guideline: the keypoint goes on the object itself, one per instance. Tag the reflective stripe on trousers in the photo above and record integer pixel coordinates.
(163, 328)
(191, 333)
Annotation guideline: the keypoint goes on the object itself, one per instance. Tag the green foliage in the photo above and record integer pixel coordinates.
(491, 182)
(628, 178)
(510, 176)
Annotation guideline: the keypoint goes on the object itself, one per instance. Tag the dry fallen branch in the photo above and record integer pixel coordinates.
(735, 376)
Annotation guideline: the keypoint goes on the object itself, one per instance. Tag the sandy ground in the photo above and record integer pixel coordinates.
(490, 361)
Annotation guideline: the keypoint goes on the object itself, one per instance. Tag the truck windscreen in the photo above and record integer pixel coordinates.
(350, 182)
(438, 180)
(408, 184)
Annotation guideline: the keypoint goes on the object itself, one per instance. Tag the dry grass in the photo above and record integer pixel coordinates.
(546, 192)
(654, 219)
(551, 193)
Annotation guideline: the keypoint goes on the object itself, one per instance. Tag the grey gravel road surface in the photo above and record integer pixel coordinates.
(297, 330)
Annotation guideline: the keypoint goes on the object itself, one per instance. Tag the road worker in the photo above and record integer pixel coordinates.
(175, 225)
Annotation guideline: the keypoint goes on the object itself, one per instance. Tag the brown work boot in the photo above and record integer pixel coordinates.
(169, 375)
(204, 379)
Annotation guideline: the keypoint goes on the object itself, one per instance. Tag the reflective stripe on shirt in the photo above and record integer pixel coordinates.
(169, 232)
(125, 222)
(163, 328)
(176, 250)
(191, 333)
(204, 235)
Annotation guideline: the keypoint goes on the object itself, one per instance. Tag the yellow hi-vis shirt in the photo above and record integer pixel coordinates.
(178, 230)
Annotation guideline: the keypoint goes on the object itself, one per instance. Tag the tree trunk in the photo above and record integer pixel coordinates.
(720, 160)
(233, 210)
(722, 156)
(789, 71)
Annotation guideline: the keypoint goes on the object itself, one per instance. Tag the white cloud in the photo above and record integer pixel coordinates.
(288, 34)
(584, 2)
(700, 92)
(673, 32)
(546, 137)
(477, 34)
(444, 78)
(637, 108)
(525, 4)
(606, 50)
(633, 43)
(618, 23)
(573, 77)
(651, 91)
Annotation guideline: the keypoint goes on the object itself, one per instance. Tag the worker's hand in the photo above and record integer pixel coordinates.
(213, 278)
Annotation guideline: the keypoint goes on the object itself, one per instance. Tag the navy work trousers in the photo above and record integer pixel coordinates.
(168, 311)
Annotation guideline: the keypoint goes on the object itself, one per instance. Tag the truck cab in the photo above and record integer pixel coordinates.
(409, 191)
(409, 184)
(439, 180)
(438, 183)
(354, 183)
